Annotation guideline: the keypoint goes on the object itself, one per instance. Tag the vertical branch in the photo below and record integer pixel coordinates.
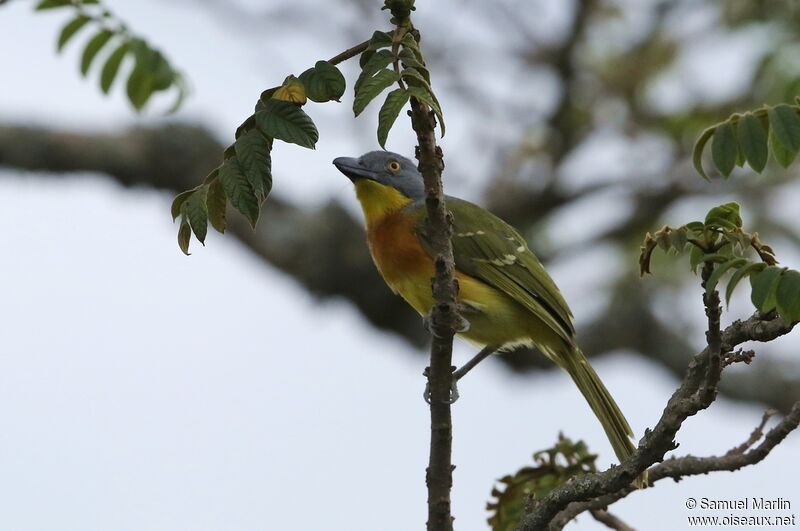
(708, 390)
(444, 317)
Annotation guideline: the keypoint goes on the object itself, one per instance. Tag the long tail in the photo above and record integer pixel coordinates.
(605, 409)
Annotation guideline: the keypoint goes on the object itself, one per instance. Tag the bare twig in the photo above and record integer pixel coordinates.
(756, 436)
(610, 521)
(738, 356)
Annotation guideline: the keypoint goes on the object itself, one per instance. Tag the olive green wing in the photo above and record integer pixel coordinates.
(488, 248)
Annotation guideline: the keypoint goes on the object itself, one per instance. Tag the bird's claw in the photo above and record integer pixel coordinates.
(426, 394)
(427, 322)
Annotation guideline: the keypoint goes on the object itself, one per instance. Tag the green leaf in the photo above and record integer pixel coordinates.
(238, 190)
(787, 297)
(184, 235)
(395, 101)
(430, 100)
(783, 156)
(70, 29)
(738, 275)
(697, 152)
(111, 67)
(365, 57)
(726, 215)
(724, 148)
(718, 258)
(212, 176)
(147, 75)
(679, 239)
(371, 87)
(411, 43)
(252, 150)
(740, 160)
(696, 226)
(286, 121)
(197, 213)
(785, 123)
(92, 47)
(380, 39)
(247, 125)
(177, 203)
(764, 285)
(695, 258)
(753, 141)
(140, 87)
(162, 72)
(181, 92)
(265, 96)
(414, 77)
(721, 269)
(229, 152)
(377, 62)
(50, 4)
(410, 60)
(324, 82)
(216, 205)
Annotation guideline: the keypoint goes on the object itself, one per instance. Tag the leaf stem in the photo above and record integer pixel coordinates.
(349, 53)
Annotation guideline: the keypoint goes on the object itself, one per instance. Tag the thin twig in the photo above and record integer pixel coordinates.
(349, 53)
(610, 521)
(755, 436)
(739, 356)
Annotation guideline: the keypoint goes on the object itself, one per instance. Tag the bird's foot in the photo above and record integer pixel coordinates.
(462, 325)
(453, 388)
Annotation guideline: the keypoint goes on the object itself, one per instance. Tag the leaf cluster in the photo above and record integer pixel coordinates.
(151, 71)
(751, 137)
(394, 58)
(720, 242)
(554, 466)
(244, 179)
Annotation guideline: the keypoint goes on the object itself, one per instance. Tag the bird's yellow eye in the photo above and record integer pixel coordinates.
(393, 166)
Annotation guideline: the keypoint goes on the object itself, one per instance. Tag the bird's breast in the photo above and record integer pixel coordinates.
(402, 261)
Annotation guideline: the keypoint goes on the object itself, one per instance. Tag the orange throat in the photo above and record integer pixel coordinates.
(397, 252)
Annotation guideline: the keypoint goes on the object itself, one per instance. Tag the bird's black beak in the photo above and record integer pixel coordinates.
(353, 169)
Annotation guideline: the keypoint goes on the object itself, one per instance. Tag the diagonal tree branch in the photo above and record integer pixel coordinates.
(695, 393)
(676, 468)
(610, 521)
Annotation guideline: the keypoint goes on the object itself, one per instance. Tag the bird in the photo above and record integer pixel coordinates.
(506, 297)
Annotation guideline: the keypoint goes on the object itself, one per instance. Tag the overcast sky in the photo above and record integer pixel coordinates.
(143, 390)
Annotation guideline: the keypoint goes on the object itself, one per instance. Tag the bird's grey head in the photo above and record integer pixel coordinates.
(387, 168)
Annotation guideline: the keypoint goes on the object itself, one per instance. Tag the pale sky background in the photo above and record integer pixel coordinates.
(143, 390)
